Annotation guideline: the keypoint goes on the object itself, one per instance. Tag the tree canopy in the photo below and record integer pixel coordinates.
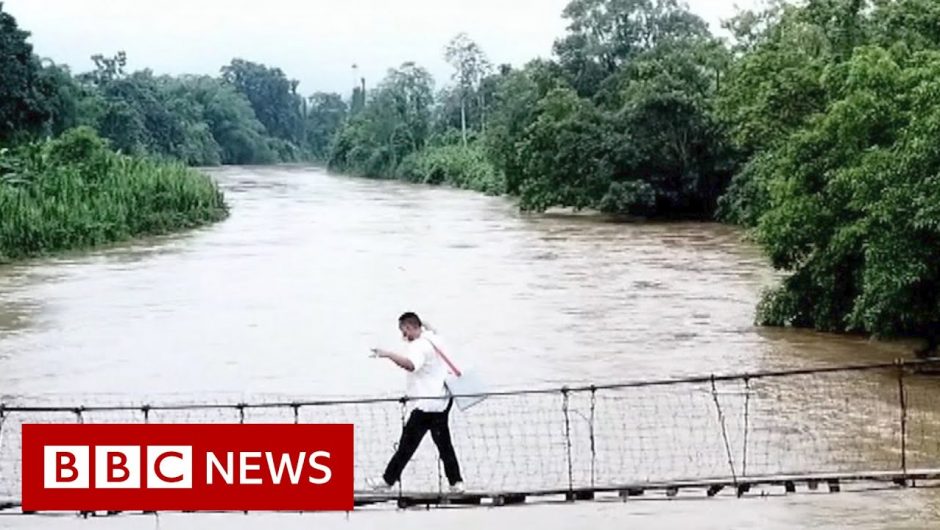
(250, 114)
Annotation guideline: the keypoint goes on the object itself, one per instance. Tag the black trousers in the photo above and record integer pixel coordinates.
(419, 423)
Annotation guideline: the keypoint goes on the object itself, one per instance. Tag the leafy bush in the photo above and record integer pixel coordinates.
(454, 165)
(854, 203)
(633, 198)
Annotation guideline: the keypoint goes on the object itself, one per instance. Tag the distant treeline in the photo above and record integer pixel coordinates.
(249, 114)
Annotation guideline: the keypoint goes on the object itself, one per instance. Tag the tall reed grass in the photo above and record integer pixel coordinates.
(74, 192)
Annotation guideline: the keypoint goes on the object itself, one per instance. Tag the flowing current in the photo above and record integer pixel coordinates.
(285, 298)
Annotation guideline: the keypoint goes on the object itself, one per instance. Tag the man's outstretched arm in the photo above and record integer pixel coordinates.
(397, 358)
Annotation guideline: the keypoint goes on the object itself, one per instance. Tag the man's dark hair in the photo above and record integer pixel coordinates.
(409, 318)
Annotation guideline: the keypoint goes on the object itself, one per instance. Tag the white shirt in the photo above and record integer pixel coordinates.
(427, 379)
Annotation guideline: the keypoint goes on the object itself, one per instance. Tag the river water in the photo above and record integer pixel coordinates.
(285, 298)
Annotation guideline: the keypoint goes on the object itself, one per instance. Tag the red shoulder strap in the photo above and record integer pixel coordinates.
(446, 359)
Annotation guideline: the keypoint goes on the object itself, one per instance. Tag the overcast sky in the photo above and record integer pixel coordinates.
(314, 41)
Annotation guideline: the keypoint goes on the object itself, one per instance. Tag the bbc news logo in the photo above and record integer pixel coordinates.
(187, 467)
(67, 466)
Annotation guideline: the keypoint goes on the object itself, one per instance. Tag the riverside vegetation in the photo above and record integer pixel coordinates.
(814, 126)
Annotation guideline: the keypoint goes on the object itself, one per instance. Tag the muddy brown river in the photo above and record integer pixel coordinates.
(285, 298)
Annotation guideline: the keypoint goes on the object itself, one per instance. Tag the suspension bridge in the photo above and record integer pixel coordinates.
(793, 430)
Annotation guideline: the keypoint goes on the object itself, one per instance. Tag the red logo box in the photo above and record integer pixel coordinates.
(149, 467)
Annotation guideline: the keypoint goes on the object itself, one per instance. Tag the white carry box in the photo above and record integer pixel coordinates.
(466, 387)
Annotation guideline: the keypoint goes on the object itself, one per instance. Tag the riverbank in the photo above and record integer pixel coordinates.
(75, 192)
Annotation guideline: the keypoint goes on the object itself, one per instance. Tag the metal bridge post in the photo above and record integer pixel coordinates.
(747, 427)
(404, 409)
(902, 397)
(591, 426)
(564, 406)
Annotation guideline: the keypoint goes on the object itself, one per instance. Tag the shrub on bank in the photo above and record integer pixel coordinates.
(76, 192)
(454, 165)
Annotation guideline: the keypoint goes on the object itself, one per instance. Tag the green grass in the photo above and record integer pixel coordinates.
(74, 192)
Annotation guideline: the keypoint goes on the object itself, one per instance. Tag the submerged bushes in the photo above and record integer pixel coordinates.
(76, 192)
(455, 165)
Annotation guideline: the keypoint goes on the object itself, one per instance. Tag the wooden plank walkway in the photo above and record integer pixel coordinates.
(832, 482)
(710, 487)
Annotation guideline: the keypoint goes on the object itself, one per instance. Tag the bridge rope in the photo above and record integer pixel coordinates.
(724, 433)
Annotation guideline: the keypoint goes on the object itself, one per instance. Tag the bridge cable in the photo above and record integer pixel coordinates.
(724, 432)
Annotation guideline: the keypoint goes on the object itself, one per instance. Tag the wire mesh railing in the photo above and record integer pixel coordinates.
(845, 420)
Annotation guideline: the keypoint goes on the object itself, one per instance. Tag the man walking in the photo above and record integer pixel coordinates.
(425, 377)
